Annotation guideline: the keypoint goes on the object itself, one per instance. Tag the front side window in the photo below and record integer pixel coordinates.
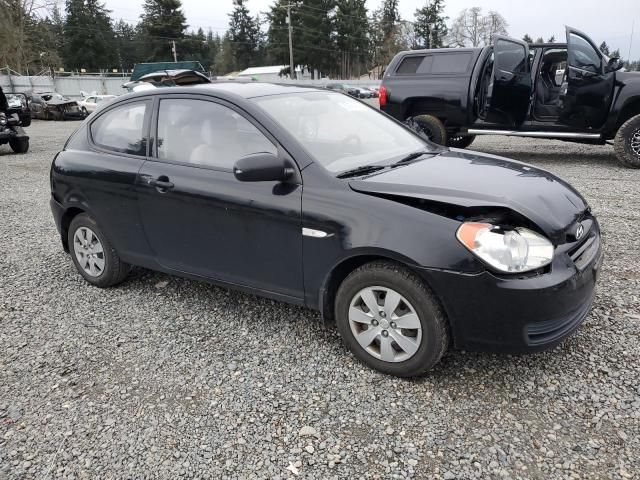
(582, 55)
(340, 132)
(511, 57)
(206, 134)
(121, 129)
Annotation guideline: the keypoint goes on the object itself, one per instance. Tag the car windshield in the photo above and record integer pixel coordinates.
(340, 133)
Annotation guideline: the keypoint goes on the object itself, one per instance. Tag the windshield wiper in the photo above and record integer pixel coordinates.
(414, 156)
(363, 170)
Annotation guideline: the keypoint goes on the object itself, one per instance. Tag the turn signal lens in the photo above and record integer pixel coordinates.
(510, 251)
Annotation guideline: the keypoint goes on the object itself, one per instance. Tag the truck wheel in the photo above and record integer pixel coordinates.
(432, 127)
(460, 141)
(19, 145)
(627, 143)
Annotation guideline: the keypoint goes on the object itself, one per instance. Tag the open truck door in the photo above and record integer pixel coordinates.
(587, 93)
(512, 84)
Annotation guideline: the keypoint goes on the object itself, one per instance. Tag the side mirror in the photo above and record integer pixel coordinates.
(614, 64)
(262, 167)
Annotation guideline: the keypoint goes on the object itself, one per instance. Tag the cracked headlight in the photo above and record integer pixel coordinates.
(507, 250)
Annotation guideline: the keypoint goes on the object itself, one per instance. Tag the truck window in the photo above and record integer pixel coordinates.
(450, 62)
(582, 55)
(409, 65)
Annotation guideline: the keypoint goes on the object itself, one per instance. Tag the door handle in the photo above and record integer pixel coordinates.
(161, 183)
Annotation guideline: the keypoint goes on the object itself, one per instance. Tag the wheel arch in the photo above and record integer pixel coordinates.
(630, 109)
(340, 271)
(65, 221)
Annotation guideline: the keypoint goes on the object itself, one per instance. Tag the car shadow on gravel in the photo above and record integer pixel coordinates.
(455, 367)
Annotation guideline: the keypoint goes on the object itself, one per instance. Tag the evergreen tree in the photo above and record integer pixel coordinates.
(539, 40)
(162, 22)
(604, 48)
(89, 41)
(552, 39)
(317, 50)
(385, 32)
(243, 35)
(224, 62)
(352, 40)
(213, 47)
(430, 24)
(127, 44)
(527, 38)
(277, 43)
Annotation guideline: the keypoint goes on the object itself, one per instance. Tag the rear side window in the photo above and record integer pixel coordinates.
(122, 129)
(409, 65)
(439, 63)
(451, 62)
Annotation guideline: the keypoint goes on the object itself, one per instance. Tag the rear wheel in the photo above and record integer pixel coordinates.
(627, 143)
(432, 127)
(460, 141)
(93, 255)
(19, 145)
(390, 319)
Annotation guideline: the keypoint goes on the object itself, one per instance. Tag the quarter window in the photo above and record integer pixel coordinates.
(121, 129)
(206, 133)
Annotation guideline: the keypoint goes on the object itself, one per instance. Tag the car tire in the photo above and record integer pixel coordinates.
(432, 127)
(85, 238)
(627, 143)
(460, 141)
(84, 112)
(417, 307)
(19, 145)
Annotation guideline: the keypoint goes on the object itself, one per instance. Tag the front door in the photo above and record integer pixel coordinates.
(588, 92)
(511, 89)
(199, 219)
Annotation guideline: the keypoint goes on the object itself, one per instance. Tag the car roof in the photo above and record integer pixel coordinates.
(240, 89)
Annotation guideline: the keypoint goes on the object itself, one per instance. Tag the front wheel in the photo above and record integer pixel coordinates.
(627, 143)
(460, 141)
(93, 255)
(390, 319)
(19, 145)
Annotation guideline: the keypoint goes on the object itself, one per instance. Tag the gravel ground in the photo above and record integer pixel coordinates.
(164, 377)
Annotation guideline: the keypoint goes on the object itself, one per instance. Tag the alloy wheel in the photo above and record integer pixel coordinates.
(635, 142)
(385, 324)
(89, 251)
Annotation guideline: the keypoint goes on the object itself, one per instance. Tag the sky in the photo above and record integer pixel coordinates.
(610, 21)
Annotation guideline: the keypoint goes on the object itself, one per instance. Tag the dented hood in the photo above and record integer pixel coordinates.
(469, 179)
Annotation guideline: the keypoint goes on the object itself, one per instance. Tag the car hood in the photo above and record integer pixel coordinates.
(465, 179)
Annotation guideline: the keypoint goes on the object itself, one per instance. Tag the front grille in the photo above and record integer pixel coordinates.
(583, 254)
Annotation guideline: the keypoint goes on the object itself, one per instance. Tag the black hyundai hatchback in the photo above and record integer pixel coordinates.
(314, 198)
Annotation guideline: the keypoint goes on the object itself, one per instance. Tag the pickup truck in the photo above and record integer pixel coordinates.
(569, 91)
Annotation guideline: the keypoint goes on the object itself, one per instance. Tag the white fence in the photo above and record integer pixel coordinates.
(68, 86)
(71, 86)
